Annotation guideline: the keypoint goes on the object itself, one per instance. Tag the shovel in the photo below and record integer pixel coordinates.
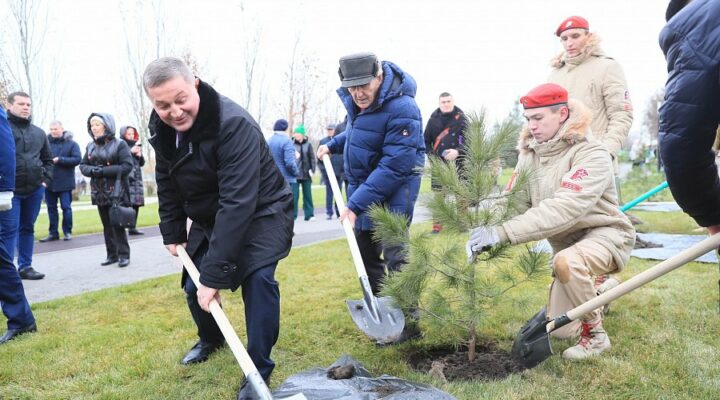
(238, 350)
(377, 317)
(644, 196)
(532, 346)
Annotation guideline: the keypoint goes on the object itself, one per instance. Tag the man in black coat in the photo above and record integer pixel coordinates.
(445, 136)
(690, 116)
(214, 167)
(66, 156)
(33, 173)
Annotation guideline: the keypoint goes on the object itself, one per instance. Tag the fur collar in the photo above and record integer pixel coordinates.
(591, 49)
(575, 129)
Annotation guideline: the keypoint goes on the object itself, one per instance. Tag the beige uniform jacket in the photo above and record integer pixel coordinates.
(572, 192)
(599, 83)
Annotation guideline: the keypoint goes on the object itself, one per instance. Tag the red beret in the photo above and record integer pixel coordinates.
(572, 23)
(545, 95)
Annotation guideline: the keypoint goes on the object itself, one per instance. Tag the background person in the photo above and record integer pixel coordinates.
(15, 306)
(135, 180)
(283, 151)
(337, 162)
(305, 156)
(33, 172)
(66, 156)
(106, 157)
(445, 136)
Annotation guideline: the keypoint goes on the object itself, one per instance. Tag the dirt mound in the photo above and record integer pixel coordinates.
(644, 244)
(448, 362)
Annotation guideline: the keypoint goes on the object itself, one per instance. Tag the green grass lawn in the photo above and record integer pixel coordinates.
(125, 342)
(88, 221)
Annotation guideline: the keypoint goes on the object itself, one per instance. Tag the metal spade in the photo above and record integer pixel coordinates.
(232, 339)
(377, 317)
(532, 345)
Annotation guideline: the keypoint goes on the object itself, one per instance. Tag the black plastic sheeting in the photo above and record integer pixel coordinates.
(315, 385)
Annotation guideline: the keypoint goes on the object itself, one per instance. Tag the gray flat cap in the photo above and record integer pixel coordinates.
(358, 69)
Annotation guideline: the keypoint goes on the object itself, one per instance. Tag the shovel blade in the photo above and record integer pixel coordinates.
(385, 326)
(532, 345)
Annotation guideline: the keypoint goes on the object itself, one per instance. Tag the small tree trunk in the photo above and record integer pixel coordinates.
(471, 344)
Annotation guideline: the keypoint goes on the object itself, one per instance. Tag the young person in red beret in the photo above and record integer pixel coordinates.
(573, 204)
(599, 83)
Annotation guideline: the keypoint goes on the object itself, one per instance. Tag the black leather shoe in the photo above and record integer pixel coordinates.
(247, 392)
(124, 262)
(68, 236)
(13, 333)
(30, 274)
(200, 352)
(49, 238)
(410, 332)
(109, 261)
(135, 232)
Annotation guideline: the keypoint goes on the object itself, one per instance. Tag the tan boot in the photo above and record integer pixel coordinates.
(593, 341)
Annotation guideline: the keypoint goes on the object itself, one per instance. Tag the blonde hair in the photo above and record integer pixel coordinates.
(97, 118)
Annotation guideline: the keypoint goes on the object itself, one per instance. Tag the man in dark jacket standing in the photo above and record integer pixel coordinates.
(14, 304)
(690, 116)
(445, 136)
(33, 172)
(214, 167)
(337, 162)
(383, 147)
(66, 156)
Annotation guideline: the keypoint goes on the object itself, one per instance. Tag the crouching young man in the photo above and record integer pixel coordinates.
(573, 203)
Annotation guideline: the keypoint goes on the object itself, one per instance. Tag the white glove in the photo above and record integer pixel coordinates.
(6, 201)
(481, 239)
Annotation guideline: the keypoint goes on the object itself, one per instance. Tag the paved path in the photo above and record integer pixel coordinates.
(73, 267)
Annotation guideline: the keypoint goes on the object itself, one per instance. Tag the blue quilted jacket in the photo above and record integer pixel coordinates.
(383, 148)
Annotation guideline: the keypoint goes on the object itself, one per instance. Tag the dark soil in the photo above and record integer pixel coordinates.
(490, 363)
(341, 372)
(644, 244)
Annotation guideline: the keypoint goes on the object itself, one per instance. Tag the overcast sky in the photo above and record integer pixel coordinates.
(486, 53)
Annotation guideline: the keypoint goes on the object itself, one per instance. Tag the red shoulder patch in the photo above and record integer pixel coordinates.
(572, 186)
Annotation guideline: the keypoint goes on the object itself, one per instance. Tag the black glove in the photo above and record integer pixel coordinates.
(96, 172)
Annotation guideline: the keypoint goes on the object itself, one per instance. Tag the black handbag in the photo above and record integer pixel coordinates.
(120, 216)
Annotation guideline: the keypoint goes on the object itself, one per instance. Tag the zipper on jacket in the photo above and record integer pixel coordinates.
(182, 159)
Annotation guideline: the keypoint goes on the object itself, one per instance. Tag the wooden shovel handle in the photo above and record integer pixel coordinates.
(347, 227)
(672, 263)
(232, 339)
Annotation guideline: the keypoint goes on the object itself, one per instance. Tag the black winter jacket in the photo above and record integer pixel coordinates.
(33, 159)
(223, 177)
(449, 127)
(68, 153)
(690, 116)
(103, 160)
(135, 180)
(306, 162)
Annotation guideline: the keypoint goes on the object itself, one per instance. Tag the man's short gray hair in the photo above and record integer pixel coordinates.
(163, 69)
(55, 122)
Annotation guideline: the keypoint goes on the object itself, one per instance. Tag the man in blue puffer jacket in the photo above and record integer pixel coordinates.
(383, 146)
(690, 116)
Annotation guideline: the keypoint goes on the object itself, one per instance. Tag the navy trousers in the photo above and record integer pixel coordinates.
(261, 295)
(12, 294)
(51, 200)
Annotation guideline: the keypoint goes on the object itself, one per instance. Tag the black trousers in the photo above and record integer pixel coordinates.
(116, 241)
(261, 295)
(377, 257)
